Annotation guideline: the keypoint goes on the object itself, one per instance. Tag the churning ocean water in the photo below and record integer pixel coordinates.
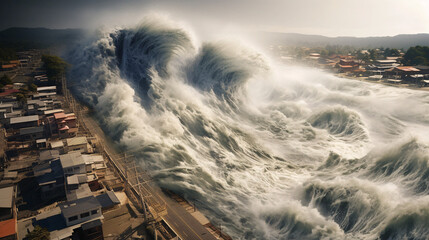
(267, 150)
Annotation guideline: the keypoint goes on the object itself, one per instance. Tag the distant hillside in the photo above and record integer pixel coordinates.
(27, 38)
(294, 39)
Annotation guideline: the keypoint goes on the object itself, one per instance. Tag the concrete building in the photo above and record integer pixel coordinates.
(48, 155)
(57, 145)
(81, 210)
(24, 121)
(47, 89)
(50, 177)
(6, 107)
(78, 144)
(79, 219)
(7, 200)
(72, 163)
(65, 125)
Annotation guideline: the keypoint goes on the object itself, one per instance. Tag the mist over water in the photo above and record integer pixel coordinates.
(268, 151)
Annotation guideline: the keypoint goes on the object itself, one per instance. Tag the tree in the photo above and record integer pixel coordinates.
(32, 87)
(5, 80)
(417, 55)
(55, 68)
(21, 98)
(38, 233)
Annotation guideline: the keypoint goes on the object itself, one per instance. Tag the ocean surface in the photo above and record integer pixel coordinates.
(268, 151)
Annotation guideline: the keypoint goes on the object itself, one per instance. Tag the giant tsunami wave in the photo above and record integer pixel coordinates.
(268, 151)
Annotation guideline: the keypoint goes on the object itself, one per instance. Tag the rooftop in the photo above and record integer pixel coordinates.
(76, 141)
(407, 69)
(92, 158)
(48, 172)
(24, 119)
(53, 111)
(6, 195)
(59, 115)
(108, 199)
(47, 88)
(30, 130)
(57, 144)
(78, 206)
(8, 92)
(82, 192)
(71, 159)
(7, 228)
(49, 155)
(77, 179)
(6, 105)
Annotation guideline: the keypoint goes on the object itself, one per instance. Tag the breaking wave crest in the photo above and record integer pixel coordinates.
(340, 122)
(269, 151)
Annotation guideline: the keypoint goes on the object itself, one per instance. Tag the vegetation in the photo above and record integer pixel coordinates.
(55, 69)
(32, 87)
(416, 56)
(7, 54)
(38, 233)
(5, 80)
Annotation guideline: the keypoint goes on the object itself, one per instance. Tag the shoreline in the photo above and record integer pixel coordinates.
(382, 82)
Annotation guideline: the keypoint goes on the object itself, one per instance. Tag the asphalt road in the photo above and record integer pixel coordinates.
(181, 221)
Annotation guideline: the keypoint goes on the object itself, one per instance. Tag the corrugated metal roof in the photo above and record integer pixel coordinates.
(57, 144)
(30, 130)
(47, 88)
(108, 199)
(71, 159)
(79, 206)
(23, 119)
(6, 196)
(76, 141)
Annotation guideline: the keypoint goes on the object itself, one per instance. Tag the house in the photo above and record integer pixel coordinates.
(41, 143)
(78, 219)
(48, 155)
(6, 107)
(348, 65)
(24, 121)
(93, 162)
(72, 163)
(79, 191)
(7, 203)
(81, 210)
(57, 145)
(8, 216)
(50, 178)
(43, 95)
(108, 200)
(78, 144)
(30, 133)
(47, 89)
(8, 229)
(403, 73)
(33, 107)
(65, 125)
(8, 67)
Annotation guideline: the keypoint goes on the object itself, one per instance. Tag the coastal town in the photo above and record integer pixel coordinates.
(62, 178)
(386, 66)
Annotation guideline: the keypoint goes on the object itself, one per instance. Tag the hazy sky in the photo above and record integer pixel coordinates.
(325, 17)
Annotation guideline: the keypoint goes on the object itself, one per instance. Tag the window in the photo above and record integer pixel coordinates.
(72, 218)
(76, 168)
(94, 212)
(83, 215)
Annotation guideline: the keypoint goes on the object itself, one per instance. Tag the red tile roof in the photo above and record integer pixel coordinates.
(59, 115)
(7, 228)
(408, 69)
(8, 92)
